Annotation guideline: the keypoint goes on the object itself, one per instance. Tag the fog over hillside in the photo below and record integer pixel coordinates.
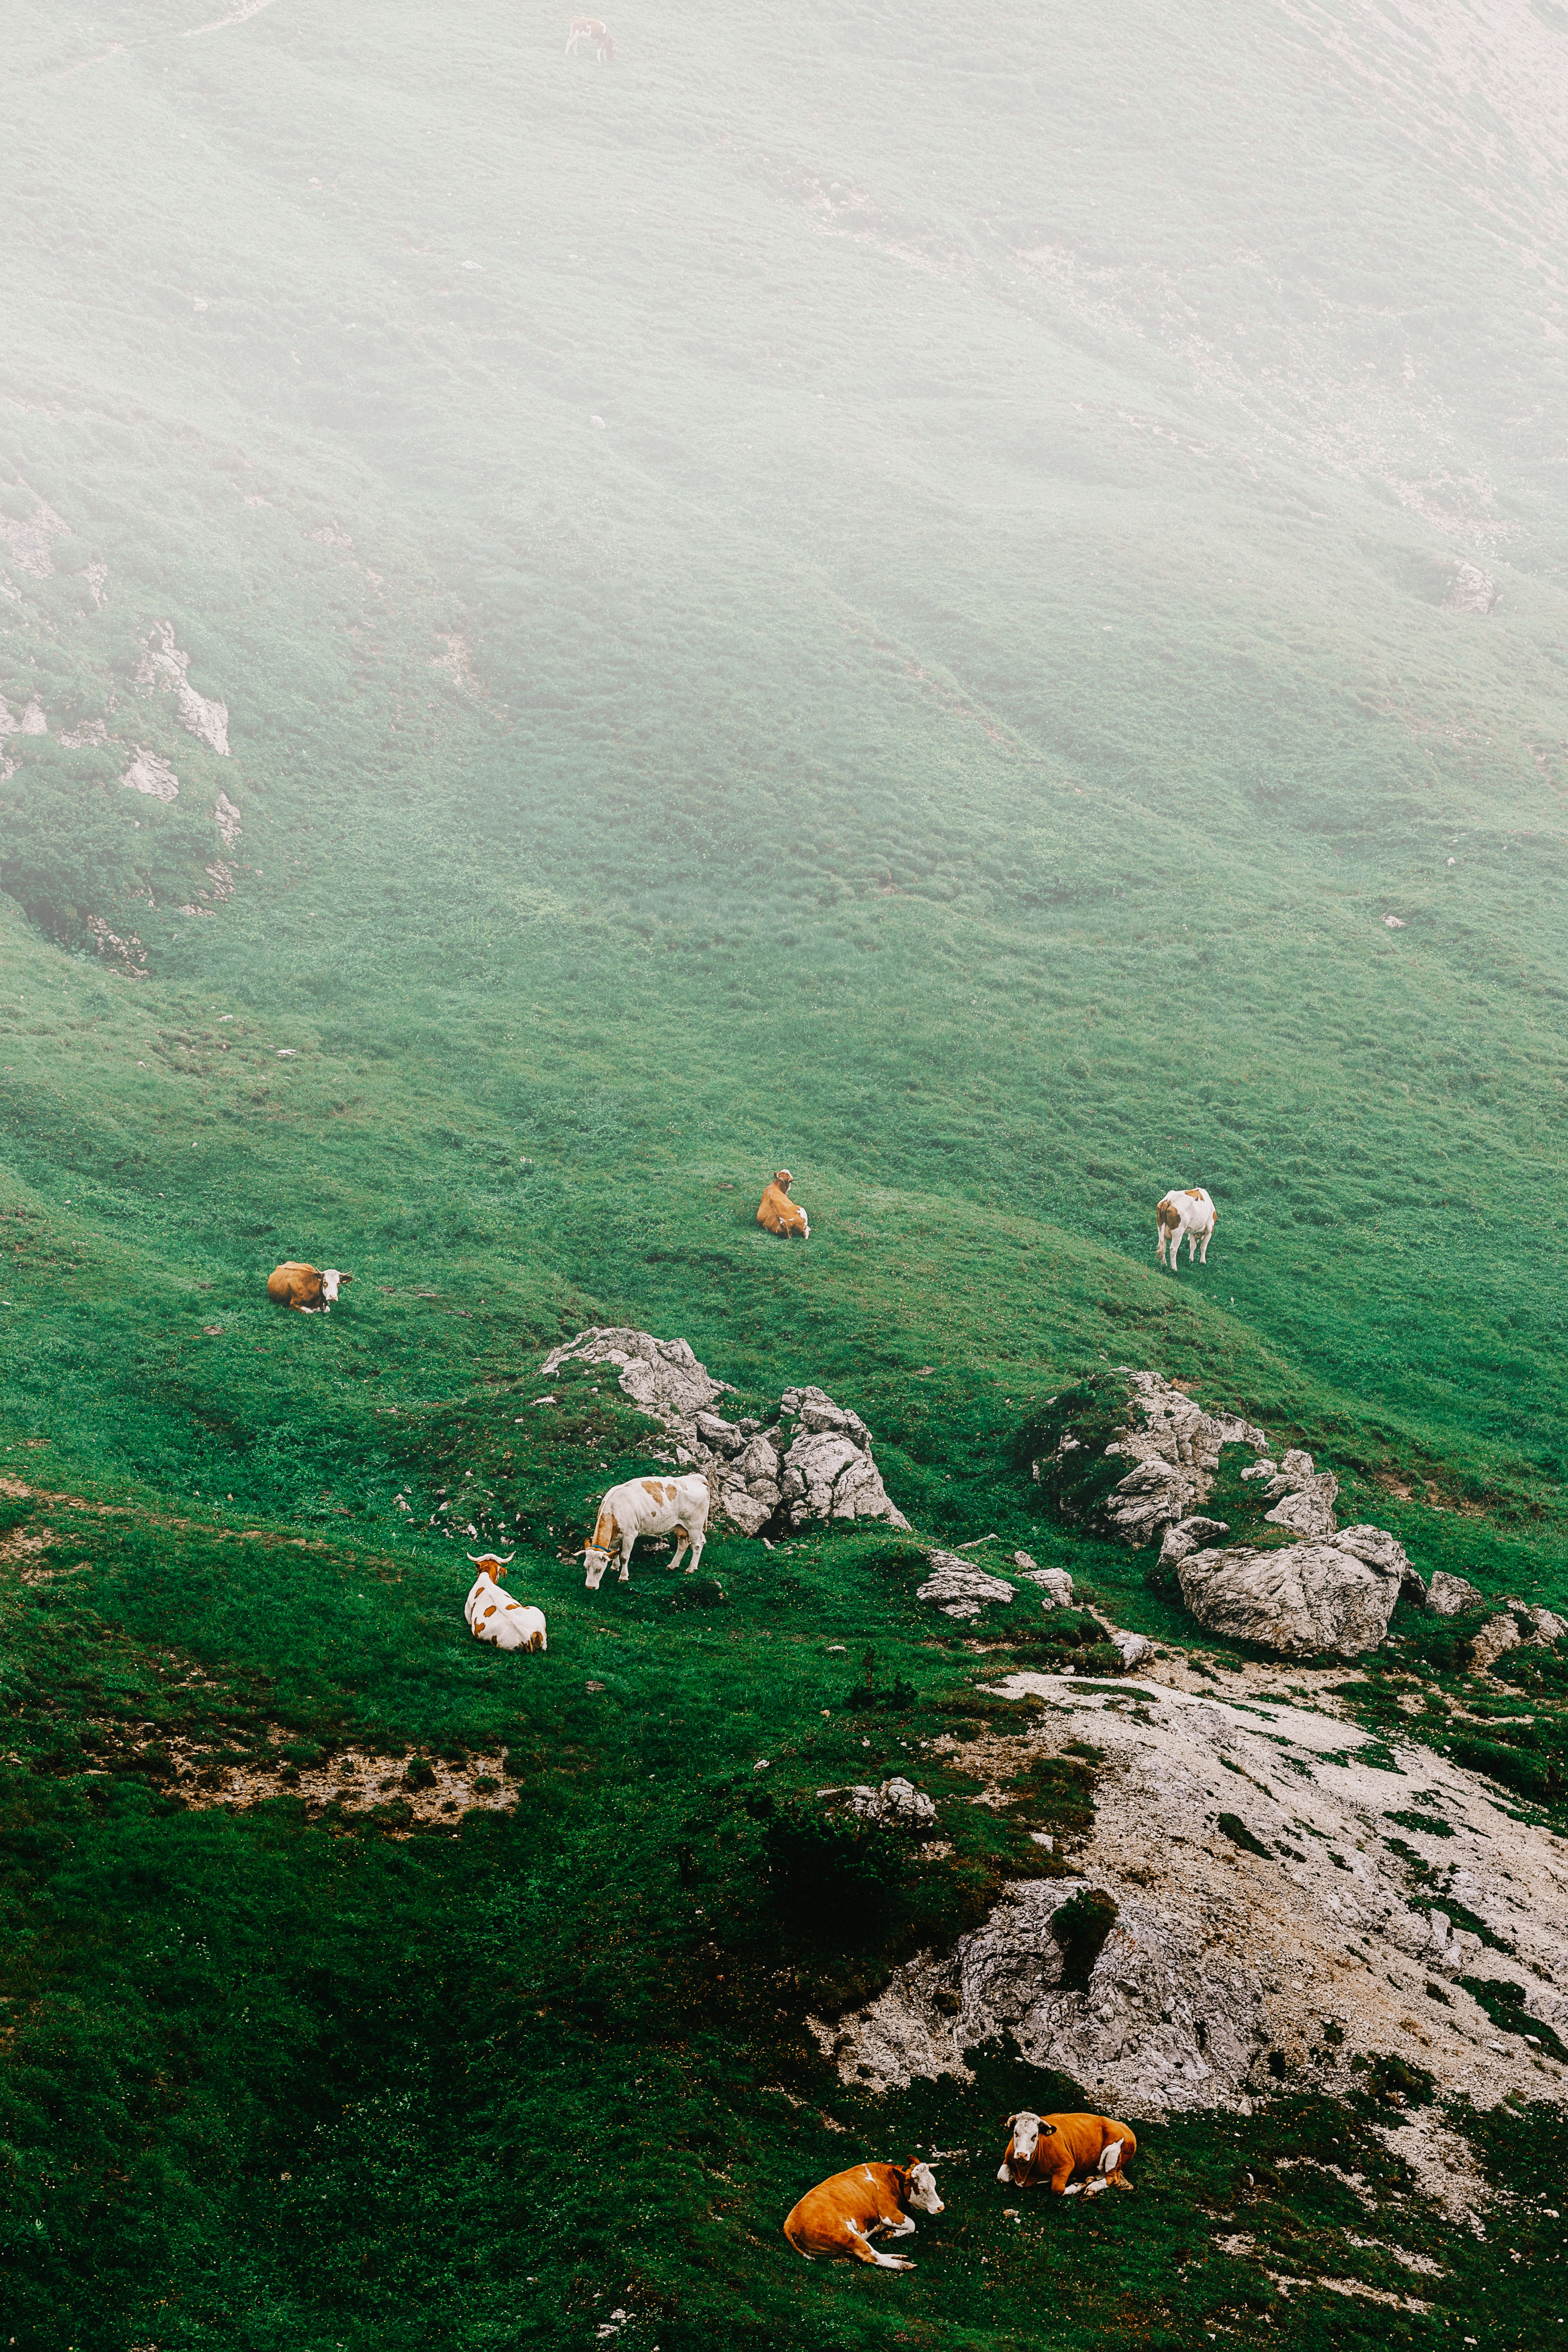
(970, 604)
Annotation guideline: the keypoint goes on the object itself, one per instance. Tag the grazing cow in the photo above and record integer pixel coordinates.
(779, 1213)
(494, 1616)
(305, 1287)
(589, 29)
(1191, 1214)
(647, 1506)
(1053, 2148)
(836, 2221)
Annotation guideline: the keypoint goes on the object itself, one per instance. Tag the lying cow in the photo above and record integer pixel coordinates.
(1051, 2148)
(493, 1616)
(305, 1287)
(647, 1506)
(837, 2221)
(779, 1213)
(1188, 1216)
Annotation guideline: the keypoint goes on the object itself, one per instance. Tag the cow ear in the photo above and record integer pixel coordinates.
(345, 1277)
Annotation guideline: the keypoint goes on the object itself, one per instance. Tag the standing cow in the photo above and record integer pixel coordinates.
(305, 1287)
(647, 1506)
(1189, 1215)
(1051, 2148)
(779, 1213)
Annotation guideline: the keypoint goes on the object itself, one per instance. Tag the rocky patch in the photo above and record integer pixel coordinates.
(1280, 1912)
(811, 1463)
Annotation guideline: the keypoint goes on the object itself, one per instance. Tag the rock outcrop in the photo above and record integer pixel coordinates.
(1329, 1589)
(1302, 1599)
(811, 1464)
(1449, 1595)
(1230, 1954)
(898, 1804)
(959, 1589)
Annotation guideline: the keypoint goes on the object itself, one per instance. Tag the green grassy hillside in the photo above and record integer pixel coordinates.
(883, 591)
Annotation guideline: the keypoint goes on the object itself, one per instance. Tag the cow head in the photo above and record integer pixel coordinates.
(783, 1179)
(920, 2189)
(597, 1559)
(491, 1564)
(331, 1282)
(1027, 2133)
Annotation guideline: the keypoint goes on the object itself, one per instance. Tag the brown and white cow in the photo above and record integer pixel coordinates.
(1051, 2148)
(779, 1213)
(1188, 1216)
(493, 1616)
(837, 2221)
(589, 29)
(305, 1287)
(647, 1506)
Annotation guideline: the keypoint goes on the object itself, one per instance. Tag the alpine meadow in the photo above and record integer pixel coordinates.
(971, 605)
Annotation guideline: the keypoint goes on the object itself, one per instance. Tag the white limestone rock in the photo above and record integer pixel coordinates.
(1300, 1600)
(960, 1589)
(1190, 1535)
(896, 1804)
(1450, 1594)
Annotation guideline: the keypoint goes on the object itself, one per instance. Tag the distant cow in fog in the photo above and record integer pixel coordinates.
(778, 1212)
(305, 1287)
(589, 29)
(1191, 1214)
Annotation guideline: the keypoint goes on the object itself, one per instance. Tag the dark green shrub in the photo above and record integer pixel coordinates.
(1236, 1830)
(830, 1870)
(1080, 1927)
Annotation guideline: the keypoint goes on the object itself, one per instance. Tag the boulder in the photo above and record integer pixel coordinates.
(720, 1433)
(1498, 1635)
(898, 1804)
(1450, 1594)
(1307, 1508)
(1055, 1584)
(959, 1589)
(1301, 1599)
(1549, 1627)
(748, 1512)
(1190, 1535)
(662, 1377)
(830, 1475)
(1131, 1648)
(1380, 1550)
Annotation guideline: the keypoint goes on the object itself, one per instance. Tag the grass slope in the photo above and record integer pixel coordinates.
(872, 592)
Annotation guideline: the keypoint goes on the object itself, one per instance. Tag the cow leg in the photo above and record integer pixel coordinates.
(628, 1545)
(904, 2228)
(681, 1541)
(697, 1542)
(863, 2251)
(1203, 1252)
(1093, 2187)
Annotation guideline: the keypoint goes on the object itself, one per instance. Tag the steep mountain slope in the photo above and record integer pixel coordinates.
(972, 604)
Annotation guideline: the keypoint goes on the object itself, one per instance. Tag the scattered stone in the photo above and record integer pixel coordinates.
(1055, 1584)
(1192, 1535)
(1450, 1594)
(1379, 1550)
(147, 773)
(896, 1804)
(1472, 590)
(1305, 1598)
(1308, 1510)
(960, 1589)
(164, 666)
(1498, 1635)
(1131, 1648)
